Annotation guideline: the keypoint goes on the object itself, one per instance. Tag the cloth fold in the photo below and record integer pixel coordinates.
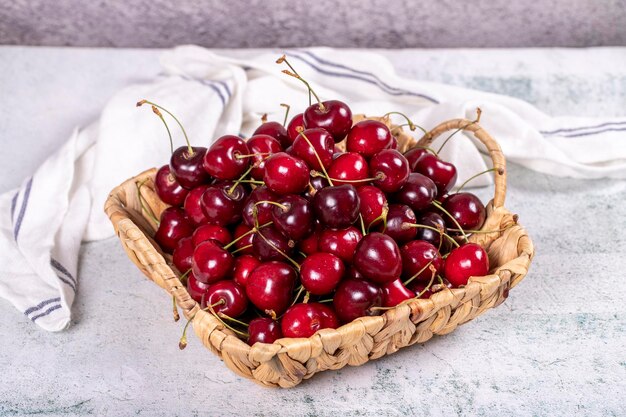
(44, 221)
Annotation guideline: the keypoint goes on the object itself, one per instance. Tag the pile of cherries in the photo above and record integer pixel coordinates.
(283, 234)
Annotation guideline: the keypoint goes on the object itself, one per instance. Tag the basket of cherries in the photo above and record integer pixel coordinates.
(327, 241)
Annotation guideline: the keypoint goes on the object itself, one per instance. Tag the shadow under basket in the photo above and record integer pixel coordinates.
(286, 362)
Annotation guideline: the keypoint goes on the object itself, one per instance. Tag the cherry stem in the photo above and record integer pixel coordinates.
(319, 160)
(239, 156)
(287, 108)
(417, 274)
(295, 300)
(241, 249)
(432, 278)
(243, 176)
(255, 182)
(169, 133)
(189, 148)
(436, 229)
(494, 169)
(429, 149)
(182, 344)
(296, 264)
(214, 314)
(143, 206)
(282, 206)
(362, 224)
(175, 309)
(328, 300)
(383, 217)
(254, 229)
(411, 125)
(380, 176)
(440, 207)
(183, 277)
(294, 73)
(234, 320)
(307, 295)
(478, 113)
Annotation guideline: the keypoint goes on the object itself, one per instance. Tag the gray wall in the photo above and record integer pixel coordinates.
(353, 23)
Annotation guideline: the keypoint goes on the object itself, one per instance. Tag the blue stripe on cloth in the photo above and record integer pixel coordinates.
(57, 265)
(575, 135)
(20, 217)
(42, 304)
(45, 313)
(13, 204)
(210, 84)
(68, 283)
(226, 87)
(386, 88)
(575, 129)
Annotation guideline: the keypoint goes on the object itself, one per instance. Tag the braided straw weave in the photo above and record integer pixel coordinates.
(286, 362)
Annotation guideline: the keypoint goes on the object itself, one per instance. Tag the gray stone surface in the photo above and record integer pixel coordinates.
(351, 23)
(556, 347)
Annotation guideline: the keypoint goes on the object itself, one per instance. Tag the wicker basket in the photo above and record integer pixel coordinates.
(288, 361)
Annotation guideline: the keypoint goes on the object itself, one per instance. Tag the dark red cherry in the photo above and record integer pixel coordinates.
(321, 272)
(469, 260)
(340, 242)
(263, 330)
(416, 256)
(168, 188)
(467, 209)
(187, 167)
(348, 167)
(412, 155)
(378, 258)
(183, 254)
(442, 173)
(353, 273)
(368, 137)
(211, 262)
(335, 116)
(285, 174)
(193, 205)
(391, 170)
(244, 265)
(355, 298)
(270, 286)
(316, 184)
(174, 226)
(211, 232)
(394, 292)
(337, 206)
(231, 295)
(419, 287)
(323, 146)
(303, 320)
(263, 210)
(245, 241)
(294, 217)
(328, 315)
(224, 159)
(418, 192)
(222, 203)
(275, 130)
(266, 251)
(261, 146)
(295, 126)
(435, 220)
(373, 201)
(399, 218)
(196, 289)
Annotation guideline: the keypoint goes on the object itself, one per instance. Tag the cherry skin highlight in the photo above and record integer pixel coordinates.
(321, 272)
(335, 116)
(340, 242)
(222, 160)
(368, 137)
(270, 286)
(355, 298)
(232, 296)
(469, 260)
(168, 188)
(378, 258)
(285, 174)
(174, 226)
(263, 330)
(187, 168)
(211, 263)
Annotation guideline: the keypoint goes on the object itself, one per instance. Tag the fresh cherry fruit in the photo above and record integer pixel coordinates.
(322, 146)
(211, 263)
(244, 265)
(399, 219)
(263, 211)
(183, 254)
(469, 260)
(196, 289)
(368, 137)
(418, 192)
(174, 226)
(263, 330)
(275, 130)
(416, 256)
(412, 155)
(348, 167)
(261, 146)
(211, 232)
(223, 159)
(266, 251)
(316, 184)
(340, 242)
(245, 241)
(302, 320)
(442, 173)
(435, 220)
(294, 217)
(295, 126)
(378, 258)
(232, 295)
(391, 170)
(187, 168)
(168, 188)
(309, 244)
(321, 272)
(193, 205)
(285, 174)
(337, 206)
(270, 286)
(467, 210)
(222, 203)
(394, 292)
(418, 288)
(353, 273)
(373, 201)
(335, 116)
(328, 315)
(355, 298)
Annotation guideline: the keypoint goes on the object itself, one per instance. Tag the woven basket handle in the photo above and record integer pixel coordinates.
(492, 146)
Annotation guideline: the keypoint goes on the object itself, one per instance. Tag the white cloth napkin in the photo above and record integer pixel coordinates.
(44, 221)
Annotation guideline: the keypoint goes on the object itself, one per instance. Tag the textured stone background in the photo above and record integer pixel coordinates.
(352, 23)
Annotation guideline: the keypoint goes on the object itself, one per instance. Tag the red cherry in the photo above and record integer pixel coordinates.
(469, 260)
(270, 286)
(263, 330)
(418, 192)
(442, 173)
(322, 145)
(373, 201)
(337, 206)
(266, 251)
(232, 296)
(340, 242)
(295, 126)
(275, 130)
(285, 174)
(244, 265)
(416, 256)
(309, 244)
(168, 188)
(399, 218)
(187, 168)
(196, 289)
(378, 258)
(433, 220)
(418, 288)
(294, 217)
(353, 273)
(222, 160)
(211, 262)
(412, 155)
(355, 298)
(350, 167)
(394, 292)
(183, 254)
(174, 226)
(391, 169)
(222, 204)
(246, 241)
(328, 315)
(321, 272)
(467, 209)
(263, 210)
(335, 116)
(211, 232)
(317, 183)
(368, 137)
(302, 320)
(193, 205)
(261, 146)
